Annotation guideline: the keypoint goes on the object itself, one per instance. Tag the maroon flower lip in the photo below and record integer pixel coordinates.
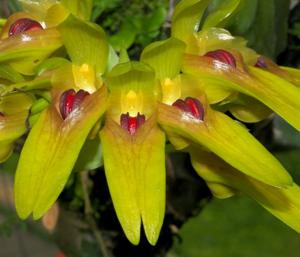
(23, 25)
(131, 124)
(222, 56)
(70, 100)
(192, 106)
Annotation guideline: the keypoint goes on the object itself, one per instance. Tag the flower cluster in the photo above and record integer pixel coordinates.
(63, 83)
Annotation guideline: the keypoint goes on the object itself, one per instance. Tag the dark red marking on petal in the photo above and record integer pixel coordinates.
(70, 100)
(2, 114)
(131, 124)
(196, 107)
(260, 63)
(191, 105)
(222, 56)
(23, 25)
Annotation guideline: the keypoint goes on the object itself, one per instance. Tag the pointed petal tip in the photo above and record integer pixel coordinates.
(133, 238)
(152, 235)
(22, 214)
(37, 214)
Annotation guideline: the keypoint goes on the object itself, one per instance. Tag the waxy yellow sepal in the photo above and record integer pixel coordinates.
(50, 152)
(14, 111)
(278, 94)
(228, 139)
(135, 172)
(25, 51)
(134, 160)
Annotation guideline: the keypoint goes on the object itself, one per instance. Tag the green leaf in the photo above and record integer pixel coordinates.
(125, 37)
(90, 156)
(50, 153)
(222, 14)
(85, 43)
(268, 31)
(155, 20)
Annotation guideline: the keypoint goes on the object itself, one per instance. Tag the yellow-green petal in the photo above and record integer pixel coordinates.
(278, 94)
(219, 190)
(85, 43)
(248, 109)
(165, 57)
(135, 171)
(50, 152)
(228, 139)
(133, 89)
(25, 51)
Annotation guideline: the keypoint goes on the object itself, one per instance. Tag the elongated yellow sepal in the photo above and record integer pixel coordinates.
(50, 152)
(229, 140)
(135, 171)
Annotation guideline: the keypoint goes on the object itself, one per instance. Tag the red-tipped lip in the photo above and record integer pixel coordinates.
(131, 124)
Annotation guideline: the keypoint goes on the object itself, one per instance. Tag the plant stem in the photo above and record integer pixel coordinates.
(88, 210)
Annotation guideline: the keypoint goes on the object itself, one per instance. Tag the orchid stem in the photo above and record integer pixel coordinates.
(170, 14)
(88, 211)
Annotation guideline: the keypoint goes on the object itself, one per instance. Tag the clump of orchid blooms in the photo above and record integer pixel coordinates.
(63, 85)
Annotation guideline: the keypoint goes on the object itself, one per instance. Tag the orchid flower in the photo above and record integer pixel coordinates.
(175, 94)
(234, 77)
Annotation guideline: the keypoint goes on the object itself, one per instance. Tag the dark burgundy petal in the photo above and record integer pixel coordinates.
(222, 56)
(23, 25)
(181, 104)
(140, 119)
(70, 100)
(124, 121)
(196, 107)
(192, 106)
(131, 124)
(80, 95)
(66, 102)
(261, 63)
